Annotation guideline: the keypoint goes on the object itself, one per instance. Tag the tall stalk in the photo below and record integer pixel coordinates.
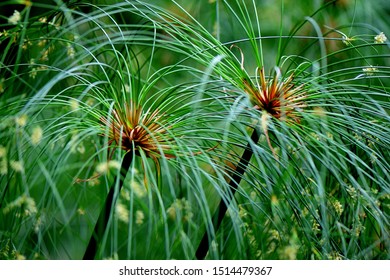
(102, 222)
(219, 214)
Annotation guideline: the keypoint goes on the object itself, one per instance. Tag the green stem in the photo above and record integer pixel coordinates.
(102, 222)
(223, 205)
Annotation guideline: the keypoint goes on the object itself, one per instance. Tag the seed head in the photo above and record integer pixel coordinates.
(36, 135)
(380, 38)
(104, 167)
(17, 166)
(122, 212)
(3, 152)
(139, 217)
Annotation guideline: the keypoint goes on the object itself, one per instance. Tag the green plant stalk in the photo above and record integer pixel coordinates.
(102, 222)
(219, 214)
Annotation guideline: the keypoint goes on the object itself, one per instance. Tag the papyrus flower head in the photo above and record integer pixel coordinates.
(136, 130)
(279, 97)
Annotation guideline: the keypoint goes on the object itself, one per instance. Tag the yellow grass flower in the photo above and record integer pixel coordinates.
(15, 18)
(36, 135)
(380, 38)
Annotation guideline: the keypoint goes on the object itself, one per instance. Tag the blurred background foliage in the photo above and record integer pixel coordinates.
(275, 17)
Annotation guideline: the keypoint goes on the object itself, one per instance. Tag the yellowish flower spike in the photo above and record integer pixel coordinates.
(3, 161)
(369, 71)
(3, 167)
(17, 166)
(104, 167)
(21, 120)
(122, 212)
(139, 217)
(380, 38)
(280, 98)
(74, 104)
(70, 51)
(135, 129)
(277, 97)
(15, 18)
(25, 202)
(3, 152)
(36, 135)
(43, 20)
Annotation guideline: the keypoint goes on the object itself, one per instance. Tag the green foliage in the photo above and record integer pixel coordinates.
(182, 85)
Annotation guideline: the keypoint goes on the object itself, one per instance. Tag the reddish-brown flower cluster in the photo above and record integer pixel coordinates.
(280, 98)
(276, 97)
(132, 129)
